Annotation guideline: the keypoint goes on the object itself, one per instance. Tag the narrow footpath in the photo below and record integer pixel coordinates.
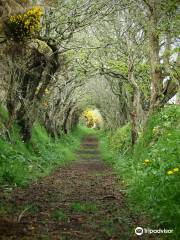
(82, 201)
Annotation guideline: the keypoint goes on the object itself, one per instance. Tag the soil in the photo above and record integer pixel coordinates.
(82, 201)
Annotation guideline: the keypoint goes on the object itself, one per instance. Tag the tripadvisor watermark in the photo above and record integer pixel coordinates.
(139, 231)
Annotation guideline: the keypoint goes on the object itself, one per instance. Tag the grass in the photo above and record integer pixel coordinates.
(59, 215)
(150, 170)
(31, 209)
(107, 226)
(83, 207)
(22, 163)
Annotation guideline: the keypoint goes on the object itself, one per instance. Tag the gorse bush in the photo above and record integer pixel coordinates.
(151, 170)
(23, 25)
(89, 118)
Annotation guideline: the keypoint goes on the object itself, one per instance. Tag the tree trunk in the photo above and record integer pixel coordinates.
(134, 133)
(64, 126)
(25, 119)
(156, 71)
(136, 111)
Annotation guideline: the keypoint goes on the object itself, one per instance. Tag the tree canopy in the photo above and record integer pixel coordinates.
(63, 56)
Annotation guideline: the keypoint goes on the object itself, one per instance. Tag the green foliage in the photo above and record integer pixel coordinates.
(3, 113)
(3, 117)
(151, 171)
(21, 163)
(120, 140)
(108, 155)
(118, 65)
(142, 74)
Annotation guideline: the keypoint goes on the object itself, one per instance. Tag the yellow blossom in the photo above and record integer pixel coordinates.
(146, 161)
(176, 169)
(169, 172)
(46, 91)
(25, 24)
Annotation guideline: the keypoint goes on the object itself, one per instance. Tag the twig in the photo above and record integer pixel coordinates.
(109, 197)
(22, 213)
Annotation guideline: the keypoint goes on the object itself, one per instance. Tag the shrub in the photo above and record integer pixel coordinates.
(23, 25)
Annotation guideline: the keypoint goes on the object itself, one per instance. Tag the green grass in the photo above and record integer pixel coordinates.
(59, 215)
(22, 163)
(150, 190)
(83, 207)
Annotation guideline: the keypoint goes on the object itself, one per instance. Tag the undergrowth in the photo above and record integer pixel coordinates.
(151, 169)
(21, 163)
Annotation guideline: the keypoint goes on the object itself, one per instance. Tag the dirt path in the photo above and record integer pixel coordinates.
(82, 201)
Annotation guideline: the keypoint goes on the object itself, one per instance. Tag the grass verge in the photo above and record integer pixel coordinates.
(151, 169)
(22, 163)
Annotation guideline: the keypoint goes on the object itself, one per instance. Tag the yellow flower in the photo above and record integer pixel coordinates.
(176, 169)
(46, 91)
(25, 24)
(146, 161)
(169, 172)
